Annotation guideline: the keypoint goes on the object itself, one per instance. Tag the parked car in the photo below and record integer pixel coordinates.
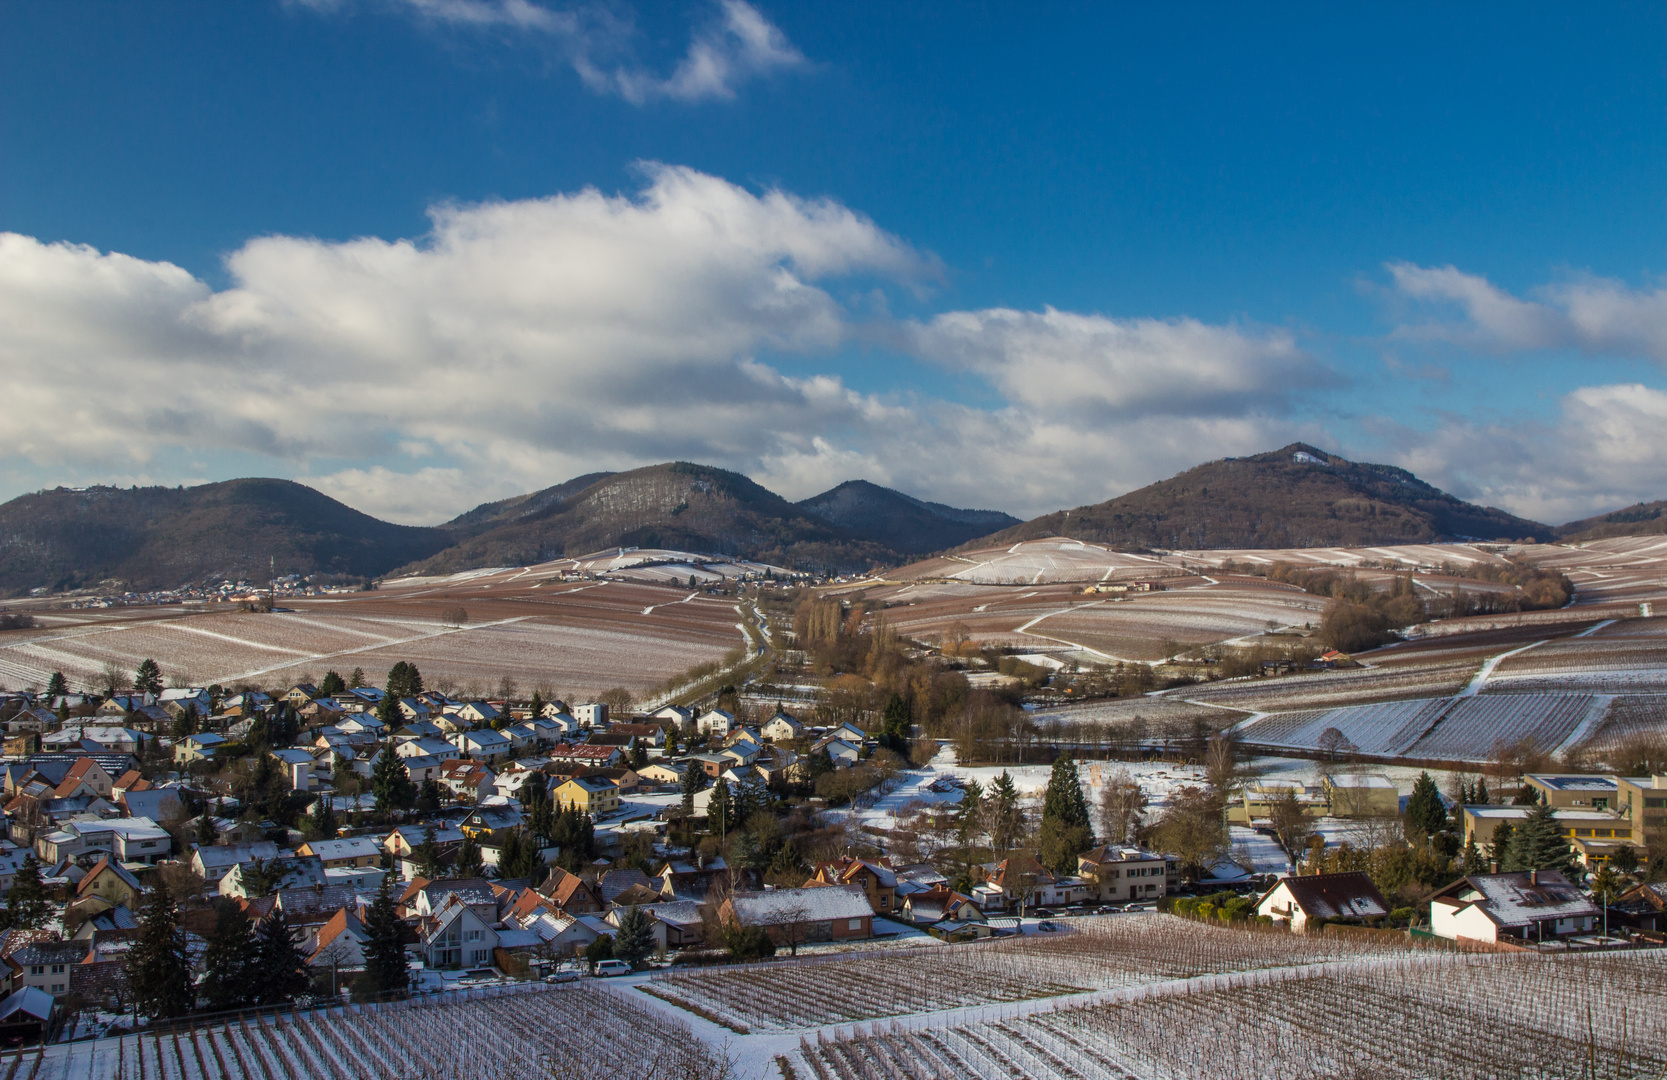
(1047, 927)
(1104, 909)
(608, 968)
(562, 977)
(1042, 913)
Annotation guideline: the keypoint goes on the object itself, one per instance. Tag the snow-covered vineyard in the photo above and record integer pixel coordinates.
(524, 1033)
(1453, 1016)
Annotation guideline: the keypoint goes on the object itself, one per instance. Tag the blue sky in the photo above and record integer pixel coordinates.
(1019, 256)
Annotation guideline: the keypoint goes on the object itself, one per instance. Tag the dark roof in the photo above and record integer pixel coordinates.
(1349, 895)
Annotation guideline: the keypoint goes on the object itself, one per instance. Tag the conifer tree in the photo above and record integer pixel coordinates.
(57, 686)
(387, 711)
(158, 967)
(386, 972)
(1540, 843)
(27, 905)
(233, 976)
(469, 863)
(356, 680)
(1426, 813)
(148, 679)
(390, 782)
(1064, 800)
(207, 834)
(1006, 817)
(279, 959)
(635, 939)
(694, 782)
(540, 810)
(896, 723)
(1499, 850)
(1481, 793)
(324, 820)
(427, 855)
(720, 809)
(332, 685)
(428, 797)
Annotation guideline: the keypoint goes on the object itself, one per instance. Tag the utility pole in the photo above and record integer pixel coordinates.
(272, 584)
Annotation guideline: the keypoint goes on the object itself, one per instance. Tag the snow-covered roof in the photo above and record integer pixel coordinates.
(1574, 781)
(1360, 780)
(1521, 899)
(801, 905)
(1349, 895)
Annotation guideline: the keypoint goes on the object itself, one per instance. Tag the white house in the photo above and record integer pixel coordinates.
(592, 714)
(455, 936)
(1532, 905)
(484, 745)
(782, 728)
(1295, 900)
(718, 721)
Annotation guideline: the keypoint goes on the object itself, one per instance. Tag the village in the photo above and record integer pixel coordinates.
(193, 852)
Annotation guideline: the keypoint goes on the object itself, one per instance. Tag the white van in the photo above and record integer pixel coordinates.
(605, 968)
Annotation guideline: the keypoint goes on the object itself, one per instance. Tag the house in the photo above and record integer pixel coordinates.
(677, 924)
(663, 773)
(592, 715)
(842, 753)
(421, 729)
(428, 746)
(85, 777)
(490, 824)
(339, 944)
(1361, 795)
(847, 732)
(403, 841)
(129, 840)
(1018, 879)
(1120, 873)
(941, 905)
(299, 695)
(194, 698)
(875, 878)
(122, 704)
(677, 716)
(652, 735)
(362, 724)
(45, 965)
(570, 893)
(716, 722)
(595, 795)
(353, 851)
(712, 765)
(485, 745)
(109, 882)
(1643, 802)
(782, 728)
(466, 779)
(793, 916)
(1260, 797)
(26, 1015)
(479, 712)
(1532, 905)
(112, 739)
(681, 880)
(457, 936)
(251, 879)
(198, 747)
(216, 861)
(1296, 900)
(1644, 906)
(424, 898)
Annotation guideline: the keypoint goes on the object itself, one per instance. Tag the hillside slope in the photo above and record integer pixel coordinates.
(901, 522)
(519, 507)
(157, 537)
(1295, 497)
(677, 505)
(1644, 519)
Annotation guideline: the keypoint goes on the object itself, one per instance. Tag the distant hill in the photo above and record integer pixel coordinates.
(1295, 497)
(519, 507)
(156, 537)
(678, 505)
(1644, 519)
(901, 522)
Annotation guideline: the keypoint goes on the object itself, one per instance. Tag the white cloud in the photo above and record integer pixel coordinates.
(735, 47)
(1606, 448)
(1593, 315)
(522, 343)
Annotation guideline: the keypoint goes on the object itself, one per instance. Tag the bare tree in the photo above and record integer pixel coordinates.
(1291, 825)
(1122, 802)
(792, 926)
(1221, 761)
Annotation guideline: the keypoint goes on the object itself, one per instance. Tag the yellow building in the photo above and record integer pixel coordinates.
(595, 795)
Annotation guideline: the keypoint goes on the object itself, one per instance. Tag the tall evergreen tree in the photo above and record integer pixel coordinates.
(27, 905)
(332, 685)
(386, 972)
(158, 966)
(148, 679)
(57, 686)
(206, 833)
(280, 961)
(694, 782)
(1481, 793)
(428, 797)
(324, 819)
(539, 808)
(536, 707)
(1006, 816)
(469, 863)
(233, 976)
(1540, 843)
(896, 724)
(1064, 800)
(390, 782)
(1499, 849)
(969, 825)
(635, 939)
(356, 680)
(720, 809)
(387, 711)
(1426, 813)
(427, 855)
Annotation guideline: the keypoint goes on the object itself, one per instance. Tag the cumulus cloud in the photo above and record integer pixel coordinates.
(1606, 448)
(521, 343)
(1590, 314)
(736, 46)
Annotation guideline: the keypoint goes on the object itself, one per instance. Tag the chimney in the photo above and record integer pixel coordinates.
(1533, 877)
(1659, 781)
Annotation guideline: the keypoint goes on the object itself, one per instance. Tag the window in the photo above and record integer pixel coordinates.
(853, 924)
(57, 969)
(472, 935)
(37, 969)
